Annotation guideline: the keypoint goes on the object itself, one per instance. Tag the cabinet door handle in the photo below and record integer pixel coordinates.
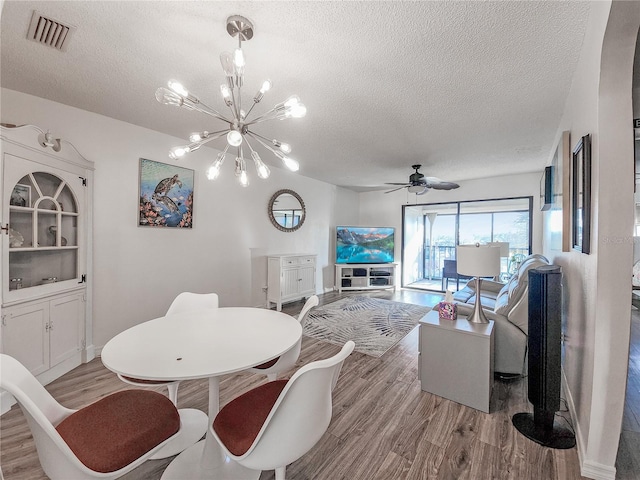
(5, 229)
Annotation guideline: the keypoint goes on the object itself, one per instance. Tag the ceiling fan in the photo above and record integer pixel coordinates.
(419, 184)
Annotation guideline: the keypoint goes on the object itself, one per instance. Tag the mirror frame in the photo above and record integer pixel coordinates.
(273, 218)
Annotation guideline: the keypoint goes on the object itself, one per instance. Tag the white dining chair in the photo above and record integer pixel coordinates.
(103, 440)
(288, 359)
(184, 302)
(276, 423)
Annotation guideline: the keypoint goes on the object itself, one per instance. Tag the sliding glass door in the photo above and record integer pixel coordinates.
(432, 232)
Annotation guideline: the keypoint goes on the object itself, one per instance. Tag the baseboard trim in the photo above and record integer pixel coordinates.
(588, 469)
(597, 471)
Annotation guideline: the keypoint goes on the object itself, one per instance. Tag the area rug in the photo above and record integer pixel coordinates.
(374, 324)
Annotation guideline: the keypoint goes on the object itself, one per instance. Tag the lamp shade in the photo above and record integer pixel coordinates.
(478, 260)
(504, 247)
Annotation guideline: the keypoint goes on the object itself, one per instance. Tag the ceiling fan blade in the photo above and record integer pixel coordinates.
(443, 185)
(396, 183)
(439, 184)
(396, 189)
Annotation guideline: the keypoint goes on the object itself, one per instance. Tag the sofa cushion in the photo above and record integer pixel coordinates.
(488, 303)
(502, 301)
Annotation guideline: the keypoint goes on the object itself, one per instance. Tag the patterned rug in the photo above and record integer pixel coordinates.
(374, 324)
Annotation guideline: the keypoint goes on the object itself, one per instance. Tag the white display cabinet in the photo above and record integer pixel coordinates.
(46, 217)
(365, 276)
(290, 277)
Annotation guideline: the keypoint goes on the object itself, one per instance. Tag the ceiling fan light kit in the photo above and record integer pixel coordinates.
(239, 124)
(419, 184)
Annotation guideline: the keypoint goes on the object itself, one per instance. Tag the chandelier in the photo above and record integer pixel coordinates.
(240, 126)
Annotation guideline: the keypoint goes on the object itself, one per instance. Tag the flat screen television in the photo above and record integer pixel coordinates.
(365, 244)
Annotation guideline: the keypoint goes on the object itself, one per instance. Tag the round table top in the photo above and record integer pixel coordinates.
(201, 344)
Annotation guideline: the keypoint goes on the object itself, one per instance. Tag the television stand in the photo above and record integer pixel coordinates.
(365, 276)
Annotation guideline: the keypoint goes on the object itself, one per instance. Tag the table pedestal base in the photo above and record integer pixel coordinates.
(193, 424)
(191, 465)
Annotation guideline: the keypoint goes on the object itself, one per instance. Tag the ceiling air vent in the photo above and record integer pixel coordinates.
(49, 31)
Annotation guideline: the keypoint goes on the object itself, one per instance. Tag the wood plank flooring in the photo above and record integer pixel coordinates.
(384, 427)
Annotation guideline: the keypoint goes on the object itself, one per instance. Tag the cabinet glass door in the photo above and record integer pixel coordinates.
(44, 216)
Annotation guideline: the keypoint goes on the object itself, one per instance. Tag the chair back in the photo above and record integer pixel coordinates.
(300, 416)
(188, 302)
(42, 412)
(311, 302)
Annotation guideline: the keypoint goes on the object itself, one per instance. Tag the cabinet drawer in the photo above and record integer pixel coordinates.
(305, 260)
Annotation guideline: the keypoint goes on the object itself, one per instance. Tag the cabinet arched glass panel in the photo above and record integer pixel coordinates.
(43, 235)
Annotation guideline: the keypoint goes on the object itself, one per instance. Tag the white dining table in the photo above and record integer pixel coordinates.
(196, 345)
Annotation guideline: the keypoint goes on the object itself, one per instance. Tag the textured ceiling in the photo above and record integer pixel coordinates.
(467, 89)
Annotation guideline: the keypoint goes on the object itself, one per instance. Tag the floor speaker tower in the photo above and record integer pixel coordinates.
(544, 342)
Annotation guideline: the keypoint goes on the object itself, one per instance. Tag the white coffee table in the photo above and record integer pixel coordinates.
(456, 359)
(204, 344)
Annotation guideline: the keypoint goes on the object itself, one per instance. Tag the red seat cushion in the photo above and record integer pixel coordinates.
(117, 430)
(240, 420)
(268, 364)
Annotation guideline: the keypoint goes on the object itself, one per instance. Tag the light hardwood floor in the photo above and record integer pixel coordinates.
(384, 427)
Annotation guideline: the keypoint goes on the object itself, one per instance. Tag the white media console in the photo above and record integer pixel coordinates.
(365, 276)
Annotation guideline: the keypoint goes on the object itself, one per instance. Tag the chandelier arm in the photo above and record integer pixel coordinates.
(270, 115)
(265, 138)
(257, 137)
(234, 107)
(213, 136)
(247, 114)
(206, 109)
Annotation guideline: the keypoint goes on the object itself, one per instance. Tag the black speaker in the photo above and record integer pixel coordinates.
(545, 360)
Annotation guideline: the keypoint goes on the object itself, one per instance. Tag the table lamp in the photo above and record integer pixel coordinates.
(478, 261)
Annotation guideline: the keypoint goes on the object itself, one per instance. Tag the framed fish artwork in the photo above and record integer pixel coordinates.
(166, 195)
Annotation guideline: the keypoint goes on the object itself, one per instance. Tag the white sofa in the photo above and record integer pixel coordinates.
(508, 306)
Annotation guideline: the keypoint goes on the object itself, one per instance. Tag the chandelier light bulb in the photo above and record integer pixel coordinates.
(285, 148)
(238, 61)
(292, 101)
(298, 111)
(197, 136)
(226, 94)
(178, 152)
(167, 97)
(227, 64)
(214, 169)
(234, 138)
(178, 88)
(290, 163)
(263, 170)
(243, 179)
(266, 86)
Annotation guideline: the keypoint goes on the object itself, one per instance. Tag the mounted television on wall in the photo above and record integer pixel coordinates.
(365, 244)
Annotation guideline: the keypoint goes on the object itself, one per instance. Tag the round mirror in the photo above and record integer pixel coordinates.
(286, 210)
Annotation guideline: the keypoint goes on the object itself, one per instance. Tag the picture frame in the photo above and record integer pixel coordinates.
(560, 223)
(581, 195)
(21, 195)
(165, 195)
(546, 192)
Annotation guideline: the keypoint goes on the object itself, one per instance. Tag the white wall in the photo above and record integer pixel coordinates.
(597, 291)
(379, 208)
(137, 270)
